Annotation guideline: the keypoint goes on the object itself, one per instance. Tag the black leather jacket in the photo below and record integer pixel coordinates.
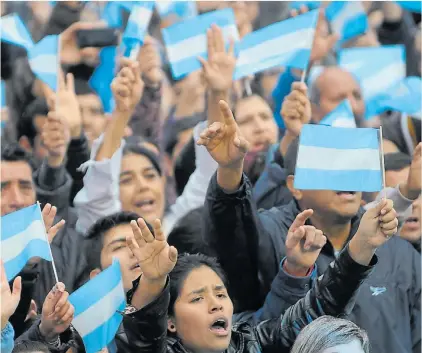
(333, 294)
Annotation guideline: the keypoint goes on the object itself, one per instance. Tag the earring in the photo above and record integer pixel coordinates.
(172, 327)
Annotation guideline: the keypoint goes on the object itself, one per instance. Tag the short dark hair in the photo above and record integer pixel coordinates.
(13, 152)
(291, 156)
(329, 332)
(25, 125)
(95, 236)
(396, 161)
(30, 347)
(186, 236)
(186, 263)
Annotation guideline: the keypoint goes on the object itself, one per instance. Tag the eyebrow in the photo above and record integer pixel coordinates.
(204, 289)
(128, 172)
(119, 240)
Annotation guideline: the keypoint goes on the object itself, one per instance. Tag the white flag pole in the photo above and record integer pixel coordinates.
(49, 247)
(382, 162)
(59, 48)
(302, 79)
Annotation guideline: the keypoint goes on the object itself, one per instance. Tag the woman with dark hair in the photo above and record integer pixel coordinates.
(331, 335)
(183, 305)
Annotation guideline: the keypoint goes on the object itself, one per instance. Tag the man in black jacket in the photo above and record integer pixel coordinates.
(252, 244)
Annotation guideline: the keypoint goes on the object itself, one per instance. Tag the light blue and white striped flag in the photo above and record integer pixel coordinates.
(339, 159)
(96, 304)
(13, 31)
(23, 236)
(136, 28)
(286, 43)
(187, 40)
(342, 116)
(377, 69)
(311, 5)
(405, 97)
(44, 59)
(182, 9)
(347, 18)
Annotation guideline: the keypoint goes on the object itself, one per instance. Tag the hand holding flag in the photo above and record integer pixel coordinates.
(150, 62)
(296, 108)
(57, 313)
(219, 69)
(9, 298)
(377, 225)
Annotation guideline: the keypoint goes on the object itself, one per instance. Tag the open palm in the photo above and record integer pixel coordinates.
(223, 139)
(155, 257)
(219, 69)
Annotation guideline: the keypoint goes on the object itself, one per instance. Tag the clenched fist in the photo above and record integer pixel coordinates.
(296, 108)
(127, 86)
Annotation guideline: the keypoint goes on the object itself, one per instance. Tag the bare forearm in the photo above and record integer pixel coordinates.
(147, 292)
(113, 135)
(229, 178)
(214, 112)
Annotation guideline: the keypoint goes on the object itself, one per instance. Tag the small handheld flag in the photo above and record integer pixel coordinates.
(377, 69)
(136, 28)
(96, 306)
(286, 43)
(44, 60)
(347, 18)
(341, 116)
(182, 9)
(23, 236)
(13, 31)
(187, 40)
(338, 159)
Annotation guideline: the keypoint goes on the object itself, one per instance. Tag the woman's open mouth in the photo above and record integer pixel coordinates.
(220, 327)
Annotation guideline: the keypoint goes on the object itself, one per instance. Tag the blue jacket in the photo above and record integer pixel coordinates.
(7, 336)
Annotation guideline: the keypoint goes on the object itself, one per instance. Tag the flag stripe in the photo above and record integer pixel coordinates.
(100, 312)
(311, 157)
(17, 222)
(35, 248)
(13, 246)
(103, 335)
(14, 31)
(339, 138)
(97, 288)
(343, 180)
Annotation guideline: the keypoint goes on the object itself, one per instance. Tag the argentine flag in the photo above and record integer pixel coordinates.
(102, 77)
(44, 59)
(347, 18)
(377, 69)
(286, 43)
(187, 40)
(405, 97)
(342, 116)
(96, 304)
(182, 9)
(23, 236)
(339, 159)
(136, 28)
(311, 5)
(13, 31)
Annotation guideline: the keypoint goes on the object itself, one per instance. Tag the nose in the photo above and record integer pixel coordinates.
(16, 199)
(259, 126)
(141, 183)
(215, 305)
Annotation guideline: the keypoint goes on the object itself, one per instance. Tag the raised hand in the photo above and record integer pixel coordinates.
(67, 104)
(9, 299)
(224, 141)
(323, 40)
(150, 62)
(55, 138)
(219, 69)
(412, 188)
(296, 108)
(48, 214)
(57, 313)
(127, 86)
(303, 245)
(377, 225)
(70, 53)
(155, 257)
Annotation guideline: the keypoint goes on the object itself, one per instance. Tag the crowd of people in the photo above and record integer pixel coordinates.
(190, 185)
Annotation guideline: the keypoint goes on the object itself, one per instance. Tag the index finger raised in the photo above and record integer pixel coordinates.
(227, 113)
(301, 219)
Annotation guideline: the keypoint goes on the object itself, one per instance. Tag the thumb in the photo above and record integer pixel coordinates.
(173, 254)
(17, 289)
(241, 144)
(375, 211)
